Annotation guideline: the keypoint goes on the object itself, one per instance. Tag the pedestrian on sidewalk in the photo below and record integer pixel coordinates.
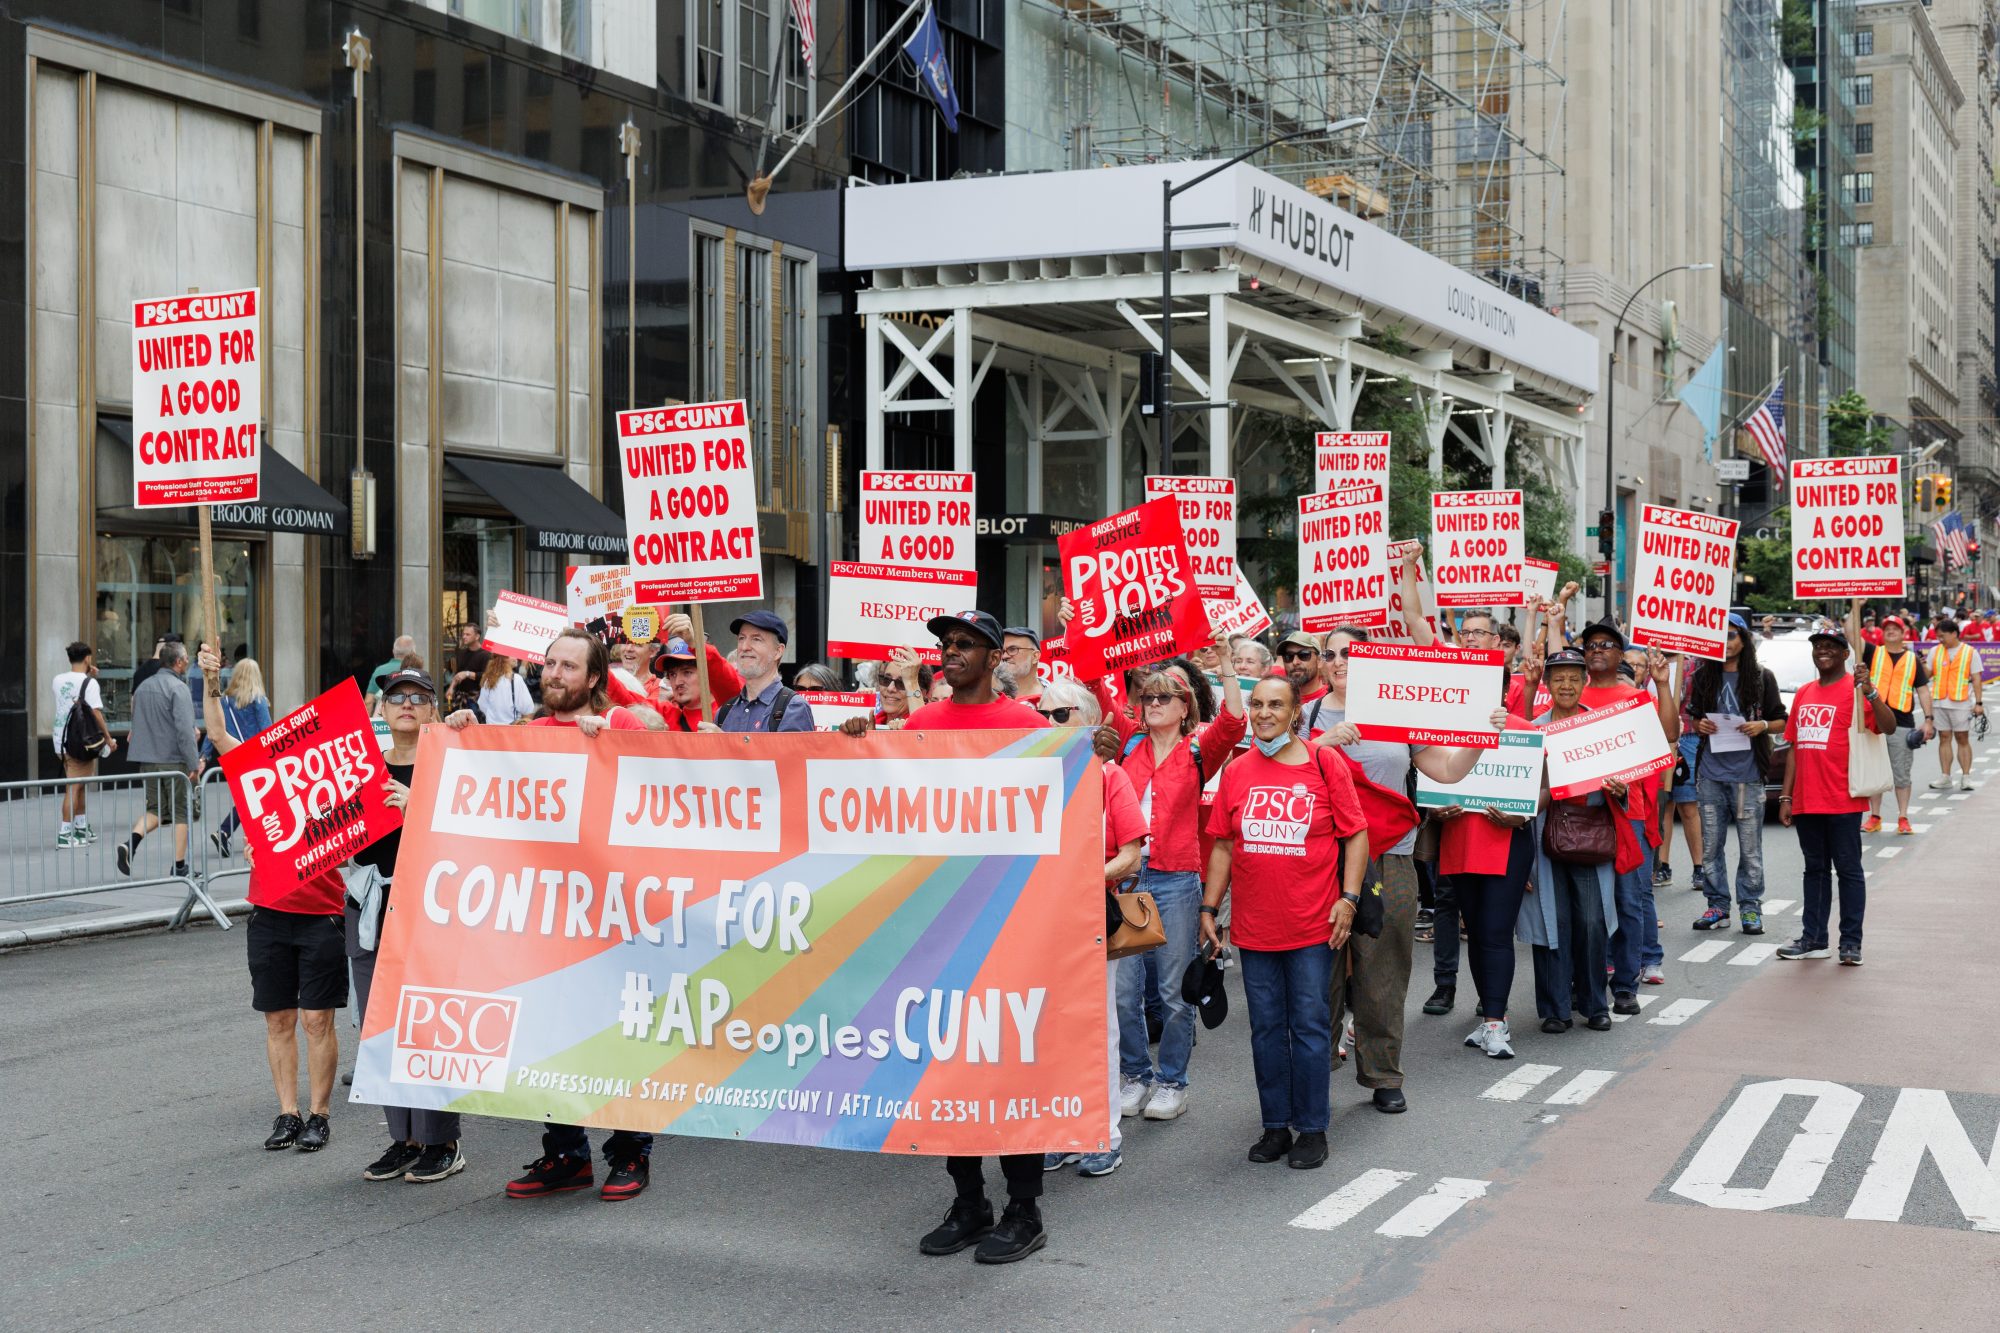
(1958, 694)
(503, 693)
(163, 742)
(298, 972)
(1730, 772)
(404, 647)
(1291, 844)
(1897, 672)
(1815, 798)
(80, 701)
(245, 712)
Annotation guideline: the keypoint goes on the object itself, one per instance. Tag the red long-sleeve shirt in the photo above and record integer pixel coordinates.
(1175, 785)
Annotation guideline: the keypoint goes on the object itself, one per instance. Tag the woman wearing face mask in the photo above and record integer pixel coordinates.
(1291, 847)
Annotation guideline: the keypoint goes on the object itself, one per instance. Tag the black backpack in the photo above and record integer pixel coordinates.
(781, 701)
(81, 736)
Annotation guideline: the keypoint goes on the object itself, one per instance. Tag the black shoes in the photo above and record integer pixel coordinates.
(1557, 1025)
(393, 1163)
(438, 1162)
(1850, 957)
(969, 1222)
(285, 1131)
(551, 1175)
(627, 1179)
(1624, 1002)
(316, 1135)
(1441, 1001)
(1599, 1023)
(1308, 1152)
(1390, 1101)
(1019, 1234)
(1272, 1146)
(125, 849)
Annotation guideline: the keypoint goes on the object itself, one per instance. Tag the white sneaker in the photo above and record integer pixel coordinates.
(1477, 1041)
(1346, 1039)
(1495, 1040)
(1942, 784)
(1965, 784)
(1168, 1102)
(1132, 1095)
(1652, 976)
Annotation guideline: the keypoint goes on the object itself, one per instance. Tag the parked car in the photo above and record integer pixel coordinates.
(1789, 660)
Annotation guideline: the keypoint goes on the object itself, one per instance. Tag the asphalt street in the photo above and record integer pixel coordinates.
(134, 1079)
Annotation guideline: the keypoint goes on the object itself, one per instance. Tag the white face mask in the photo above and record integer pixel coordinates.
(1269, 749)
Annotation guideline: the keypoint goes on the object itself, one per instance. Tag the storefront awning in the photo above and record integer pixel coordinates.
(288, 500)
(557, 514)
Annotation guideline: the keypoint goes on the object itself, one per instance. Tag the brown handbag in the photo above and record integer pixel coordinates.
(1137, 927)
(1580, 835)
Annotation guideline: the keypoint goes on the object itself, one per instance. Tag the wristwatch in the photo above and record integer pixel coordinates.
(1210, 911)
(1353, 898)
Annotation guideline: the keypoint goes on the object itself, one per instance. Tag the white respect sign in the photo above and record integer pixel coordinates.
(924, 519)
(1623, 741)
(526, 626)
(1681, 585)
(1208, 523)
(874, 609)
(1847, 527)
(1343, 559)
(830, 708)
(197, 399)
(1478, 549)
(1540, 578)
(1343, 458)
(691, 503)
(595, 591)
(1507, 777)
(1423, 696)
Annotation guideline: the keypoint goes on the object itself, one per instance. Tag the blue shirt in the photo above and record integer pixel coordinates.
(1729, 765)
(753, 713)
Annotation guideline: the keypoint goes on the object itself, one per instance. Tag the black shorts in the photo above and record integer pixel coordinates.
(297, 961)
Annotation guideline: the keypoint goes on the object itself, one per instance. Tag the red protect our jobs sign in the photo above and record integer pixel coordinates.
(1343, 458)
(872, 610)
(1847, 527)
(1208, 521)
(1131, 590)
(1344, 559)
(1423, 696)
(691, 504)
(309, 787)
(924, 519)
(197, 397)
(1681, 585)
(1623, 741)
(1478, 549)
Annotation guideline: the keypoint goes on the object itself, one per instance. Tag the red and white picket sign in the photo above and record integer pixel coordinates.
(1478, 549)
(1208, 522)
(1131, 591)
(872, 610)
(527, 626)
(830, 708)
(1243, 614)
(691, 504)
(1681, 585)
(1343, 559)
(918, 518)
(1622, 741)
(1539, 578)
(309, 788)
(1423, 696)
(197, 400)
(1343, 458)
(596, 591)
(1054, 663)
(1847, 527)
(1397, 628)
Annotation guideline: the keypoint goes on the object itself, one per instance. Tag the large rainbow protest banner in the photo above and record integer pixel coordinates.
(890, 943)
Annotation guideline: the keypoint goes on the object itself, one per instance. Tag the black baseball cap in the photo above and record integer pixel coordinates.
(407, 676)
(1023, 632)
(1604, 627)
(1563, 657)
(979, 622)
(1201, 986)
(1838, 635)
(764, 620)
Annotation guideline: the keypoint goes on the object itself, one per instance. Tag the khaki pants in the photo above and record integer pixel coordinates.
(1379, 985)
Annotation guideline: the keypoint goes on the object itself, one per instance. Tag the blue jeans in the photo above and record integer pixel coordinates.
(1637, 943)
(1741, 804)
(1177, 893)
(1570, 977)
(1291, 1034)
(1831, 845)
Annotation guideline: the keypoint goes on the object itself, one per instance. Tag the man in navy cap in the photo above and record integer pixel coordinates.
(765, 704)
(1020, 654)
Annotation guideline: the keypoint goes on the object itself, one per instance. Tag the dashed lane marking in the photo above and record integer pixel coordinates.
(1427, 1214)
(1777, 905)
(1887, 852)
(1352, 1198)
(1582, 1088)
(1677, 1013)
(1644, 1002)
(1706, 951)
(1752, 954)
(1520, 1083)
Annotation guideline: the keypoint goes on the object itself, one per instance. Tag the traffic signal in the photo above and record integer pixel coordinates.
(1607, 534)
(1924, 493)
(1944, 492)
(1149, 383)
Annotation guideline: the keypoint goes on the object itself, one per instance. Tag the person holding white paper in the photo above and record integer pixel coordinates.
(1732, 707)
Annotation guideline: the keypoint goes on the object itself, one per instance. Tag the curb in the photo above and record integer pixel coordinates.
(110, 925)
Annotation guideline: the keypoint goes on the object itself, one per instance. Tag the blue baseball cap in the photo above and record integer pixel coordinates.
(1739, 622)
(767, 621)
(674, 650)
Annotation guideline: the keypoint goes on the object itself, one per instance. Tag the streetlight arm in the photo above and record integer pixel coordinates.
(1352, 122)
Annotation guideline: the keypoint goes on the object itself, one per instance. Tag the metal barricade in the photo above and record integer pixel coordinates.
(43, 868)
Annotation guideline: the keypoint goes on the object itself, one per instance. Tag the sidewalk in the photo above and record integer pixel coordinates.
(1837, 1200)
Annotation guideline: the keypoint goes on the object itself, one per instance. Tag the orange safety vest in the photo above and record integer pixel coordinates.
(1896, 684)
(1951, 676)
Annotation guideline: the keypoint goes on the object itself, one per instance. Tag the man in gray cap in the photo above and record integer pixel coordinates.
(1020, 654)
(766, 704)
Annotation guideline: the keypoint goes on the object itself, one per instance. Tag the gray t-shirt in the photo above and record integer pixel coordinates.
(1386, 763)
(1728, 765)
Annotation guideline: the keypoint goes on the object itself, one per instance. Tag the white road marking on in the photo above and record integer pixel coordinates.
(1888, 852)
(1921, 828)
(1707, 951)
(1550, 1119)
(1582, 1088)
(1677, 1013)
(1644, 1000)
(1924, 1124)
(1776, 905)
(1752, 954)
(1962, 796)
(1425, 1215)
(1519, 1083)
(1351, 1198)
(1798, 1174)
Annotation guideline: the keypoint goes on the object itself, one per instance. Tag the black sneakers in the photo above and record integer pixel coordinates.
(551, 1175)
(1802, 948)
(285, 1131)
(1271, 1146)
(125, 849)
(1308, 1152)
(1850, 957)
(316, 1135)
(1625, 1002)
(1441, 1001)
(968, 1222)
(626, 1180)
(438, 1161)
(1019, 1234)
(393, 1163)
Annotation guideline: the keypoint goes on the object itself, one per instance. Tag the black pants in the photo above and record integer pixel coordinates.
(1023, 1172)
(574, 1141)
(1490, 905)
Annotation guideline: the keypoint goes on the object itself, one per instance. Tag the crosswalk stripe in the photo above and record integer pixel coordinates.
(1644, 1001)
(1921, 828)
(1776, 905)
(1887, 852)
(1961, 796)
(1351, 1198)
(1519, 1083)
(1581, 1088)
(1677, 1013)
(1706, 951)
(1425, 1215)
(1752, 954)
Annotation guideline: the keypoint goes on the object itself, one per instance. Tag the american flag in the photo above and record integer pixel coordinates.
(1952, 539)
(802, 14)
(1767, 425)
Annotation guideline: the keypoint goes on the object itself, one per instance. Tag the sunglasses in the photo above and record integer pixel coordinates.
(1059, 716)
(1338, 654)
(891, 687)
(1158, 700)
(408, 700)
(1601, 646)
(964, 643)
(1297, 654)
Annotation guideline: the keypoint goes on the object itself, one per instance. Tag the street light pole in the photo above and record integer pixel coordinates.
(1163, 391)
(1607, 541)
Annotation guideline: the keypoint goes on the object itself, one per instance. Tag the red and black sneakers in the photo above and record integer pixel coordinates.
(551, 1175)
(626, 1180)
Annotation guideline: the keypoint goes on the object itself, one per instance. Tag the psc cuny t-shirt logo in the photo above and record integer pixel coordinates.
(1815, 724)
(1276, 820)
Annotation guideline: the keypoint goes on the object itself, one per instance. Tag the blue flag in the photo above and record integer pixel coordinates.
(926, 51)
(1703, 395)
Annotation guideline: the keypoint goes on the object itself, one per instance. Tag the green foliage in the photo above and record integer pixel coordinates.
(1795, 30)
(1806, 125)
(1764, 570)
(1851, 430)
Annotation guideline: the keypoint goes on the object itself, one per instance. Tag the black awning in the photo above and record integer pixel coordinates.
(288, 500)
(558, 514)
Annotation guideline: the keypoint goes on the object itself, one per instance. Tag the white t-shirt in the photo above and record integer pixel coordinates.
(506, 703)
(68, 686)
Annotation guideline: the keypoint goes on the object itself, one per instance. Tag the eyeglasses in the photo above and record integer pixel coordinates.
(407, 700)
(1477, 634)
(1158, 700)
(1014, 650)
(1059, 716)
(1296, 654)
